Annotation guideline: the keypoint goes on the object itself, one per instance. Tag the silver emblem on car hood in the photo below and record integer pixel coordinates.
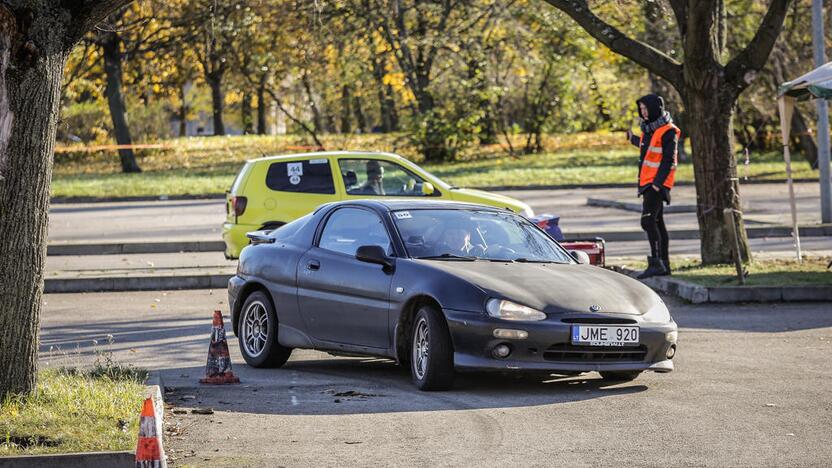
(594, 308)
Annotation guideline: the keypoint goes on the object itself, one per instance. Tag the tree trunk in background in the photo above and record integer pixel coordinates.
(214, 81)
(715, 172)
(261, 106)
(346, 109)
(245, 109)
(361, 119)
(803, 135)
(183, 112)
(111, 48)
(316, 114)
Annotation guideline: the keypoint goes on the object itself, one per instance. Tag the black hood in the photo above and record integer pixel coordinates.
(555, 288)
(654, 104)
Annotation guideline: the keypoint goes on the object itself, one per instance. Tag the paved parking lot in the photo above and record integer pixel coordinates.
(752, 388)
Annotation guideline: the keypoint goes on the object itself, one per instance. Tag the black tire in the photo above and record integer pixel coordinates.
(260, 352)
(620, 376)
(435, 369)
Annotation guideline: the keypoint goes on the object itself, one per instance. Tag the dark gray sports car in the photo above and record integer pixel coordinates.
(441, 287)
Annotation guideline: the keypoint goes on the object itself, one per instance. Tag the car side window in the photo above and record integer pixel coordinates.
(307, 176)
(379, 177)
(349, 228)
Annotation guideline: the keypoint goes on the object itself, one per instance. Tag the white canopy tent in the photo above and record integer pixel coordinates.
(815, 84)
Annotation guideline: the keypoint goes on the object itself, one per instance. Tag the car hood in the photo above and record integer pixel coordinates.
(488, 198)
(555, 288)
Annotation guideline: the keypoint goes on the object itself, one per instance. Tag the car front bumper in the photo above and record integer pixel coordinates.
(548, 346)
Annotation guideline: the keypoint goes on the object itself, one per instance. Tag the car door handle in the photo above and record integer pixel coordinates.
(313, 265)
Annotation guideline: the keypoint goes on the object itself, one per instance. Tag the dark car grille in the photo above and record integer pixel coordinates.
(566, 352)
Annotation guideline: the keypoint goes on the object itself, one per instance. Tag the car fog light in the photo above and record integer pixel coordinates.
(671, 351)
(508, 334)
(672, 336)
(501, 351)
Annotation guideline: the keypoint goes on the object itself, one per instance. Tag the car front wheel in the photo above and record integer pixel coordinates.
(258, 333)
(431, 355)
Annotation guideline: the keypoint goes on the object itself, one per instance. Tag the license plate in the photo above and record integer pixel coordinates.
(604, 335)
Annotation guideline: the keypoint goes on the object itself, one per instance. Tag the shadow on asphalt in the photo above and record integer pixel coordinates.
(365, 386)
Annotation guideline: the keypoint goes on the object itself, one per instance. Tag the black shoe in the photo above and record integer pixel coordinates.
(667, 271)
(655, 267)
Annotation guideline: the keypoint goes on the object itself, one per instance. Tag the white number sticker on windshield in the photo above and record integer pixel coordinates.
(403, 215)
(294, 169)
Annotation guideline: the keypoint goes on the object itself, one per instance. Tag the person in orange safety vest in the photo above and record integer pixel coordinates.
(656, 174)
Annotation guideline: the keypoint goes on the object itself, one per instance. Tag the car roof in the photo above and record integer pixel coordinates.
(397, 204)
(324, 154)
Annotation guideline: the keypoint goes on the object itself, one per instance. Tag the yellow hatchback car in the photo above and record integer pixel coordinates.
(269, 192)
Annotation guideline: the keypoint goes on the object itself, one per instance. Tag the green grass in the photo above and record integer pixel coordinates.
(205, 165)
(812, 271)
(74, 411)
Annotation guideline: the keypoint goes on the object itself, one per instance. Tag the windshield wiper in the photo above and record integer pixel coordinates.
(526, 260)
(447, 256)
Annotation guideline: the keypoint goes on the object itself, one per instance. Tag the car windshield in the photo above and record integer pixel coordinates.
(449, 234)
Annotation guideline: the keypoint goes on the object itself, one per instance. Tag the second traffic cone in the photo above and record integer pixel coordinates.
(218, 368)
(149, 446)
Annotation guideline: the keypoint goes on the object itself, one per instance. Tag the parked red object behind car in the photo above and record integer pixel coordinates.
(594, 247)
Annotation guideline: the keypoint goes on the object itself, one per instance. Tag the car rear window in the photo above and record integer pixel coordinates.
(308, 176)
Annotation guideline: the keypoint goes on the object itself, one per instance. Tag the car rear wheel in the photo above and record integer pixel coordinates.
(431, 355)
(258, 333)
(620, 376)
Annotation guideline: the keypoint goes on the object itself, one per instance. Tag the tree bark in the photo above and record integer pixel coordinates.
(261, 106)
(214, 81)
(715, 173)
(31, 72)
(346, 109)
(245, 110)
(111, 48)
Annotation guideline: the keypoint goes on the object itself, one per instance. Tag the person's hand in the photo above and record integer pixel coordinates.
(655, 187)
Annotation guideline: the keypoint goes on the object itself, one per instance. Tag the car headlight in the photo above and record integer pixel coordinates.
(658, 313)
(507, 310)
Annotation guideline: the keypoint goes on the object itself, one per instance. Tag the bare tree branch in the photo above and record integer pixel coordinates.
(741, 69)
(639, 52)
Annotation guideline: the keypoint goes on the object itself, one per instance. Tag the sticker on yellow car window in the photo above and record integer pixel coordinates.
(403, 215)
(294, 180)
(318, 161)
(294, 169)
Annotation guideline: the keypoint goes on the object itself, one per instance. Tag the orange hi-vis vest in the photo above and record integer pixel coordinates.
(653, 157)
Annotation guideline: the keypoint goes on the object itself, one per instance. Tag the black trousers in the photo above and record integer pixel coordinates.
(652, 221)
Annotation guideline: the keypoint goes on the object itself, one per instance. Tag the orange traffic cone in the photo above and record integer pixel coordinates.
(218, 368)
(149, 448)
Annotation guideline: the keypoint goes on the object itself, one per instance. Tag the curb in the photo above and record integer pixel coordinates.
(756, 232)
(206, 196)
(156, 389)
(138, 283)
(64, 460)
(637, 206)
(697, 294)
(135, 248)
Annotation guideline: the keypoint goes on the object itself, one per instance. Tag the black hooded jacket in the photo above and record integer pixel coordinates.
(655, 110)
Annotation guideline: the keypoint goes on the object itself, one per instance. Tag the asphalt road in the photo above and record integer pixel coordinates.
(159, 221)
(751, 389)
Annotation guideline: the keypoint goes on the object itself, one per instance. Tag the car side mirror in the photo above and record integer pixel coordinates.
(374, 254)
(580, 256)
(427, 188)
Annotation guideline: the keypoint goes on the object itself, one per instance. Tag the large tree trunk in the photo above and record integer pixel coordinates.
(111, 48)
(29, 102)
(346, 109)
(217, 101)
(715, 173)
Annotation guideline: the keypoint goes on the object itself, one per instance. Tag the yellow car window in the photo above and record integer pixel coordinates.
(378, 177)
(307, 176)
